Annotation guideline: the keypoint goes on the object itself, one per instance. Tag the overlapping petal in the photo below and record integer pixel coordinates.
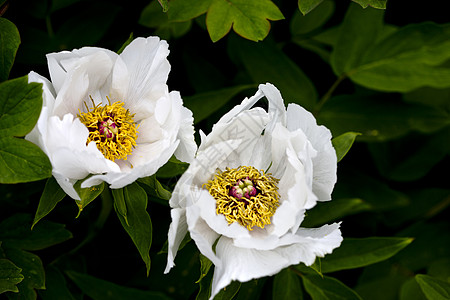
(94, 76)
(290, 145)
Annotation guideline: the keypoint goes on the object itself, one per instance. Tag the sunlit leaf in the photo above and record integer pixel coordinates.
(139, 225)
(172, 168)
(9, 43)
(356, 253)
(51, 195)
(184, 10)
(286, 285)
(99, 289)
(327, 288)
(306, 6)
(381, 4)
(343, 143)
(10, 276)
(433, 288)
(164, 4)
(249, 18)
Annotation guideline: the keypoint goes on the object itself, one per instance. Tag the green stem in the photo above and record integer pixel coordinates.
(107, 203)
(48, 23)
(328, 94)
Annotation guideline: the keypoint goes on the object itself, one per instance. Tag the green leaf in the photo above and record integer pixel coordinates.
(327, 288)
(358, 31)
(87, 195)
(32, 270)
(343, 143)
(214, 100)
(21, 104)
(205, 265)
(15, 232)
(127, 42)
(10, 276)
(51, 195)
(164, 4)
(411, 160)
(375, 193)
(410, 290)
(22, 161)
(229, 291)
(433, 288)
(286, 285)
(55, 285)
(119, 203)
(9, 43)
(184, 10)
(305, 24)
(266, 63)
(173, 167)
(325, 212)
(381, 4)
(306, 6)
(139, 226)
(356, 253)
(407, 59)
(153, 17)
(379, 119)
(154, 188)
(99, 289)
(249, 18)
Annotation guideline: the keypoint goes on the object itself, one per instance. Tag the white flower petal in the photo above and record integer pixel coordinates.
(66, 184)
(90, 78)
(243, 264)
(177, 231)
(148, 69)
(187, 147)
(325, 163)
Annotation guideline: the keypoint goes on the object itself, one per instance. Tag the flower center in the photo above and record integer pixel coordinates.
(245, 195)
(112, 128)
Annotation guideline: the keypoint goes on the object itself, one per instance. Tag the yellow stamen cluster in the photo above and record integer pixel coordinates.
(112, 127)
(249, 210)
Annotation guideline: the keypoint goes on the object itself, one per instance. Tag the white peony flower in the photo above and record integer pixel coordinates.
(111, 116)
(244, 196)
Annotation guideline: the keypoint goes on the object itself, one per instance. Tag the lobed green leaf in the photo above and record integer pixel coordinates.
(305, 6)
(10, 276)
(356, 253)
(380, 4)
(32, 270)
(184, 10)
(301, 25)
(9, 43)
